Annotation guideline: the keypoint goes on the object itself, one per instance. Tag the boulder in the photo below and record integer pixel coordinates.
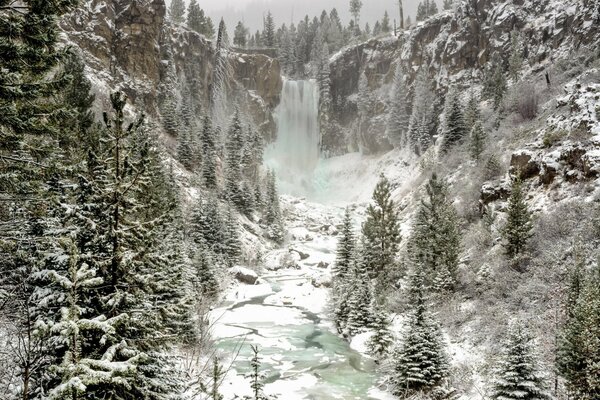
(322, 264)
(323, 280)
(523, 163)
(244, 275)
(493, 191)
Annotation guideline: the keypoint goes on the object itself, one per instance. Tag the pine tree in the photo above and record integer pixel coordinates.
(420, 361)
(355, 7)
(184, 150)
(233, 159)
(240, 35)
(515, 61)
(256, 377)
(382, 340)
(385, 23)
(434, 245)
(269, 31)
(579, 348)
(177, 11)
(399, 113)
(209, 155)
(455, 129)
(211, 388)
(205, 280)
(517, 376)
(231, 244)
(381, 233)
(342, 270)
(273, 217)
(377, 29)
(195, 17)
(499, 86)
(478, 139)
(359, 296)
(517, 230)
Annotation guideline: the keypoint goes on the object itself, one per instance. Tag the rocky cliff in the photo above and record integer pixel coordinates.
(126, 43)
(454, 46)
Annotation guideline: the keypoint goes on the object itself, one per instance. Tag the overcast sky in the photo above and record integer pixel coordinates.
(251, 11)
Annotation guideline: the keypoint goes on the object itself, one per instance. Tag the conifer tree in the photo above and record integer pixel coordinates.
(381, 232)
(209, 155)
(499, 86)
(342, 270)
(447, 5)
(273, 217)
(195, 17)
(385, 23)
(434, 245)
(256, 377)
(518, 228)
(360, 296)
(455, 129)
(579, 348)
(205, 279)
(517, 376)
(399, 113)
(231, 244)
(233, 159)
(420, 361)
(269, 31)
(382, 340)
(184, 150)
(355, 7)
(177, 11)
(478, 139)
(240, 35)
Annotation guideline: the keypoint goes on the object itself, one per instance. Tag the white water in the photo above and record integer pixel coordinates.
(296, 152)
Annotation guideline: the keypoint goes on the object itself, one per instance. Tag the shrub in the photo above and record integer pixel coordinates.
(527, 102)
(553, 137)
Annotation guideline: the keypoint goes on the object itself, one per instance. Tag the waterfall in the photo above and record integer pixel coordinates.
(295, 154)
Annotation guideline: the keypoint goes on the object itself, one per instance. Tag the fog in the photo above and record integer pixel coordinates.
(251, 11)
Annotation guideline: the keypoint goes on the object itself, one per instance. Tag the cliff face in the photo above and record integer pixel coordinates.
(454, 46)
(126, 43)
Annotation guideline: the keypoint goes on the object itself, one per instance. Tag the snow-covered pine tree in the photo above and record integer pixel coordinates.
(499, 85)
(177, 11)
(515, 61)
(209, 155)
(385, 23)
(240, 35)
(273, 218)
(212, 387)
(377, 29)
(342, 270)
(233, 161)
(434, 245)
(231, 239)
(268, 34)
(381, 233)
(579, 348)
(359, 296)
(195, 17)
(455, 130)
(382, 340)
(205, 280)
(517, 376)
(422, 117)
(478, 139)
(399, 112)
(420, 361)
(257, 378)
(184, 149)
(518, 228)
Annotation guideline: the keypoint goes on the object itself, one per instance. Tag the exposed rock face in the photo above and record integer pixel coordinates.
(125, 44)
(453, 46)
(244, 275)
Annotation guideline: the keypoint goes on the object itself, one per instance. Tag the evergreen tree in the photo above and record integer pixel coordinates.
(77, 95)
(233, 158)
(209, 155)
(195, 17)
(499, 86)
(205, 280)
(177, 11)
(240, 34)
(355, 7)
(455, 129)
(579, 347)
(447, 5)
(211, 388)
(359, 296)
(381, 233)
(273, 217)
(517, 230)
(257, 379)
(399, 113)
(515, 61)
(420, 362)
(517, 376)
(382, 340)
(434, 245)
(342, 270)
(269, 31)
(385, 23)
(377, 29)
(478, 139)
(222, 74)
(184, 150)
(231, 244)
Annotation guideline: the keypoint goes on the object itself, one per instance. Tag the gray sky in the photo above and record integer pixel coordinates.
(251, 11)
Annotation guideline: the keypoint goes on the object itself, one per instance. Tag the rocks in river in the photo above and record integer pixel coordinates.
(322, 264)
(322, 280)
(244, 275)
